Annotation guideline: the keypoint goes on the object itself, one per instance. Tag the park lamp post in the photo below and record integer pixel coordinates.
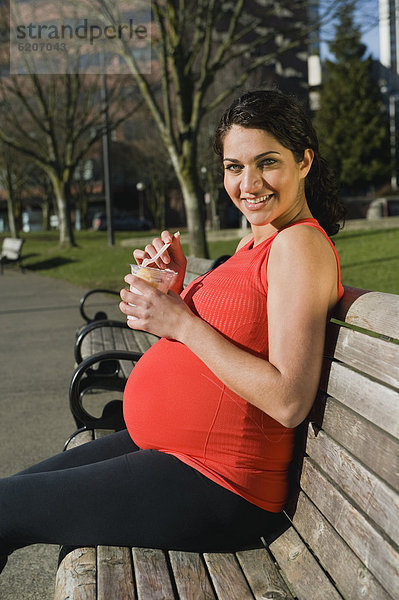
(106, 153)
(393, 98)
(140, 187)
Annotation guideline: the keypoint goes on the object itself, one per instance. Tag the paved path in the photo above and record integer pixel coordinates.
(38, 320)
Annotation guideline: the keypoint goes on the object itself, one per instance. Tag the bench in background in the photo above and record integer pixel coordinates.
(11, 253)
(341, 536)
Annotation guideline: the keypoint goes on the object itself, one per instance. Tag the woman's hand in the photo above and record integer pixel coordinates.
(164, 315)
(173, 258)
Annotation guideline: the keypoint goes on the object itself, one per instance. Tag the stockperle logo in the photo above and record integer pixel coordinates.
(50, 37)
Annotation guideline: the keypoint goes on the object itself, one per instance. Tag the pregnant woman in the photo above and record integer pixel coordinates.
(211, 409)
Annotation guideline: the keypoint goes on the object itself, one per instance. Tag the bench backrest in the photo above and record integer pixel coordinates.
(346, 509)
(196, 267)
(11, 248)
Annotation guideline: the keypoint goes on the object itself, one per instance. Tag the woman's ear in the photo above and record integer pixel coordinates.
(306, 162)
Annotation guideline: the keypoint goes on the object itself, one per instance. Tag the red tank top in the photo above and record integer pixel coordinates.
(174, 403)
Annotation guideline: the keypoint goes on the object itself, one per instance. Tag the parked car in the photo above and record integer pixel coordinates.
(121, 222)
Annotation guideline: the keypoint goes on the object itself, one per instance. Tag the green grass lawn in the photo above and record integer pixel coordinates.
(370, 259)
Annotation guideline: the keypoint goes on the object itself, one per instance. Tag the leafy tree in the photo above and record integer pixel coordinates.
(351, 121)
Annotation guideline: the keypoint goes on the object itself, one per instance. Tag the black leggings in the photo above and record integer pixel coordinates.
(110, 492)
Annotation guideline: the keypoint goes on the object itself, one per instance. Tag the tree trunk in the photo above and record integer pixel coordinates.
(11, 202)
(185, 166)
(193, 203)
(11, 215)
(46, 216)
(61, 193)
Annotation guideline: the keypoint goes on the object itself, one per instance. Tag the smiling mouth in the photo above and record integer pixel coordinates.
(259, 200)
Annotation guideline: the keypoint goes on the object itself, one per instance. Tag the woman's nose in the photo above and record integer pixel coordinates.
(251, 181)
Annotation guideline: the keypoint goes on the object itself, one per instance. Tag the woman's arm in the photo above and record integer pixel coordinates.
(302, 278)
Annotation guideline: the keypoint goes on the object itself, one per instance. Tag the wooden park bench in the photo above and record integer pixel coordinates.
(11, 253)
(341, 535)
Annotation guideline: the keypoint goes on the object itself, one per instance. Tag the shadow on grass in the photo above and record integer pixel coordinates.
(374, 261)
(349, 234)
(50, 263)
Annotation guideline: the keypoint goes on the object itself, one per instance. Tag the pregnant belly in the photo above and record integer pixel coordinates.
(171, 399)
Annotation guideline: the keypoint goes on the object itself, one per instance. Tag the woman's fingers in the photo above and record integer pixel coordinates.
(132, 301)
(139, 256)
(151, 250)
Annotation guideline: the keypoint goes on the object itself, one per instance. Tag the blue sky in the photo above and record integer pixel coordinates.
(372, 40)
(367, 17)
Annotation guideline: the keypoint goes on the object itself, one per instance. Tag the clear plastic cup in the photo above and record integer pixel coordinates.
(162, 279)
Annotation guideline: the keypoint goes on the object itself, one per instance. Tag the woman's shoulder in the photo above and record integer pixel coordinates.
(302, 233)
(305, 240)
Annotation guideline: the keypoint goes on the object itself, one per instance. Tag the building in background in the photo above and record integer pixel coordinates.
(389, 74)
(389, 41)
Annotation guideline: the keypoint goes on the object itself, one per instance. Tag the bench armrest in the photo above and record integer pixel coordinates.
(106, 377)
(100, 315)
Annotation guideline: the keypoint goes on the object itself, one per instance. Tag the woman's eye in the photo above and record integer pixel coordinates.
(233, 167)
(267, 162)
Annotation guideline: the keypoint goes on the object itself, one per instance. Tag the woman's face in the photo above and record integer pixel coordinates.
(263, 179)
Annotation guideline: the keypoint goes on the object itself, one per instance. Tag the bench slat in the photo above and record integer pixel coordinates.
(81, 438)
(227, 577)
(370, 493)
(370, 399)
(370, 355)
(119, 341)
(304, 574)
(373, 549)
(138, 341)
(354, 581)
(92, 344)
(115, 577)
(76, 576)
(111, 338)
(354, 433)
(152, 574)
(262, 574)
(190, 575)
(374, 311)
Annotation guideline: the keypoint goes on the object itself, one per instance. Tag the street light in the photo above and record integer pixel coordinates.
(140, 186)
(390, 92)
(106, 154)
(392, 136)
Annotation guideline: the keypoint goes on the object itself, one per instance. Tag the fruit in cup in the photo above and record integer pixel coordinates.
(145, 274)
